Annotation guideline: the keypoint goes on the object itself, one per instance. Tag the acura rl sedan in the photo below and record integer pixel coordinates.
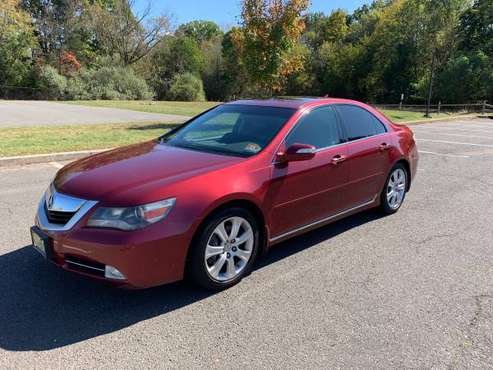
(206, 199)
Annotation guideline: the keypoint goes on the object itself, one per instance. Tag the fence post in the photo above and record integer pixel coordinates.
(439, 106)
(483, 109)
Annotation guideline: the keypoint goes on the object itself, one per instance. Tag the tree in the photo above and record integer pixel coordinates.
(320, 28)
(213, 68)
(476, 27)
(175, 55)
(468, 75)
(440, 36)
(208, 37)
(16, 43)
(271, 29)
(391, 48)
(119, 31)
(200, 31)
(234, 75)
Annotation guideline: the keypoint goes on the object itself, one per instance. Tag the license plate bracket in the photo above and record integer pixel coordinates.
(42, 243)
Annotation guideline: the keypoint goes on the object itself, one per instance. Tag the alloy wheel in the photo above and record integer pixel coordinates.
(229, 249)
(396, 188)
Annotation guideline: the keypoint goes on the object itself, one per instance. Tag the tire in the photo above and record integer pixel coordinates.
(231, 256)
(394, 191)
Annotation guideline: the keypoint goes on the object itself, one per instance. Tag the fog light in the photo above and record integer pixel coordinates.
(111, 272)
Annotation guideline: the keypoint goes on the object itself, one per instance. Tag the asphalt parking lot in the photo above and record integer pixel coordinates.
(23, 113)
(412, 290)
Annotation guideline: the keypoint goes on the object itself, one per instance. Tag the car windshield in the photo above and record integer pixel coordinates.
(241, 130)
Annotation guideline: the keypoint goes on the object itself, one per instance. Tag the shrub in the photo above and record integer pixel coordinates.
(52, 85)
(77, 89)
(186, 87)
(110, 83)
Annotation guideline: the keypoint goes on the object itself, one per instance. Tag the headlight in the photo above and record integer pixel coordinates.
(131, 218)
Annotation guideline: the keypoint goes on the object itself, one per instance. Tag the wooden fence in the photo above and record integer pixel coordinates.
(483, 107)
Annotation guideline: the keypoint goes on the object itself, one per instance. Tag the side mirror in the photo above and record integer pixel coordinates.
(297, 152)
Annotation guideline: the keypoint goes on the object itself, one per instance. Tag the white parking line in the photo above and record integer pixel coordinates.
(463, 135)
(56, 165)
(473, 131)
(475, 124)
(455, 142)
(444, 154)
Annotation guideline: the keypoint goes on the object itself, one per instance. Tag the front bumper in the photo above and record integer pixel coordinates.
(148, 257)
(144, 263)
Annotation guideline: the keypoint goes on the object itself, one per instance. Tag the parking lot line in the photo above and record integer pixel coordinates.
(464, 135)
(475, 124)
(455, 142)
(444, 154)
(473, 131)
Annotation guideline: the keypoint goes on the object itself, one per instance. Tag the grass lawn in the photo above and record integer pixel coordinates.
(44, 139)
(407, 116)
(167, 107)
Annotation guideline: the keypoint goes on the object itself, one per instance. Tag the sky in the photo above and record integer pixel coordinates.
(225, 12)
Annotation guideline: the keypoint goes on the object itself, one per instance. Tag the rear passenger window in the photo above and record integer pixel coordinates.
(359, 123)
(318, 128)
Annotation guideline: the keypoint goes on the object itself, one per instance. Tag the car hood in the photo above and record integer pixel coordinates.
(135, 174)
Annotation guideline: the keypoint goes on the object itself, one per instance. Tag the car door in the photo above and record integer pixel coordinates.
(368, 153)
(303, 192)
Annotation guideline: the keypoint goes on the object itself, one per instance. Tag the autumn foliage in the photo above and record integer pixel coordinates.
(271, 30)
(69, 65)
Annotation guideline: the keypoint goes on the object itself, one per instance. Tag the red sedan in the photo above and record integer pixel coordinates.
(207, 198)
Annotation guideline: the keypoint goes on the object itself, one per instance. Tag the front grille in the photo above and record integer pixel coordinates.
(58, 217)
(85, 266)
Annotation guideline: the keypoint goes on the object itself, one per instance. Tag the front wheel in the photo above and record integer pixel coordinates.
(394, 191)
(225, 249)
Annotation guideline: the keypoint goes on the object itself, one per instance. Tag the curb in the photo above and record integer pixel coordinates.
(45, 158)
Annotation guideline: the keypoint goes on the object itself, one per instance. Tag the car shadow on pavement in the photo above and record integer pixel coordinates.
(43, 307)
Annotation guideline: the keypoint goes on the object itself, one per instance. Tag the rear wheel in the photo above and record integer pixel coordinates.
(225, 250)
(394, 191)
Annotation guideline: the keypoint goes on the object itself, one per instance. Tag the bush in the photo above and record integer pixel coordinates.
(109, 83)
(186, 87)
(51, 84)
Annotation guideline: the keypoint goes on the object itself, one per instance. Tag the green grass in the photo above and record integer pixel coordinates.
(407, 116)
(165, 107)
(51, 139)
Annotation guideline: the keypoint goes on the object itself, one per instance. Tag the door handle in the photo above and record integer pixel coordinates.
(384, 146)
(338, 158)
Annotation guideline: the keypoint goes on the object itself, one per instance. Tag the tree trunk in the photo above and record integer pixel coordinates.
(430, 86)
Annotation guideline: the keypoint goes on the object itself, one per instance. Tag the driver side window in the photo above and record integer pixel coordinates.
(318, 128)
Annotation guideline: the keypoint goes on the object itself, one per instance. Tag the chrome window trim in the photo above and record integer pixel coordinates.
(350, 142)
(333, 106)
(77, 205)
(326, 219)
(306, 151)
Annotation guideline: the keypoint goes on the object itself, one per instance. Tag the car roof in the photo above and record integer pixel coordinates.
(293, 102)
